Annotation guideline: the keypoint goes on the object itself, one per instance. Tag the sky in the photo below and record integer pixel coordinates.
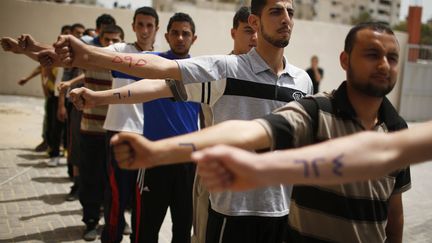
(426, 4)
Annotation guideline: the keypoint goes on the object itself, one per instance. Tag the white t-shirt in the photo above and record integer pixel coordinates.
(124, 117)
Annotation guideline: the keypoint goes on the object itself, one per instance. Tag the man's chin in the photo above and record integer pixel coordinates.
(180, 52)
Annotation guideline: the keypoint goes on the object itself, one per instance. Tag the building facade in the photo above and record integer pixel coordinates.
(345, 11)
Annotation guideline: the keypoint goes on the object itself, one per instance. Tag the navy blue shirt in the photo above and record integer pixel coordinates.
(164, 118)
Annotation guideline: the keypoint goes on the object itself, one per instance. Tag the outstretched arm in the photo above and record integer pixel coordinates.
(13, 45)
(65, 85)
(72, 51)
(357, 157)
(133, 151)
(33, 74)
(137, 92)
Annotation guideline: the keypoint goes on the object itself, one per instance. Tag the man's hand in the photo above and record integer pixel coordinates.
(72, 51)
(61, 113)
(83, 98)
(23, 81)
(63, 87)
(29, 44)
(226, 168)
(10, 44)
(48, 58)
(133, 151)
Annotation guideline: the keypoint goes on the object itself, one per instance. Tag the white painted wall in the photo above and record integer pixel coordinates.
(43, 21)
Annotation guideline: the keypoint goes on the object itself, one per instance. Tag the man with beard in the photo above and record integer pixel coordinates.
(247, 86)
(244, 39)
(367, 211)
(168, 186)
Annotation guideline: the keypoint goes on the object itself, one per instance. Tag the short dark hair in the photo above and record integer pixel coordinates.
(241, 15)
(112, 29)
(181, 17)
(375, 26)
(65, 27)
(257, 6)
(88, 30)
(77, 25)
(147, 11)
(105, 19)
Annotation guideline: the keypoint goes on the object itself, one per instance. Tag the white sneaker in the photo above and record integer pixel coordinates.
(53, 162)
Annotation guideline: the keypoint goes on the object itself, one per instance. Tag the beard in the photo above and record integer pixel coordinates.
(277, 43)
(368, 88)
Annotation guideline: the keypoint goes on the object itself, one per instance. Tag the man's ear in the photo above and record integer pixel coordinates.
(233, 33)
(166, 37)
(344, 60)
(254, 22)
(194, 38)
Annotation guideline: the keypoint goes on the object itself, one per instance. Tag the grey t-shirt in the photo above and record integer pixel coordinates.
(243, 87)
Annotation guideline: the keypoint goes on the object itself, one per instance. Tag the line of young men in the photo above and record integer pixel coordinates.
(73, 78)
(53, 128)
(246, 91)
(50, 78)
(180, 35)
(370, 59)
(244, 39)
(86, 137)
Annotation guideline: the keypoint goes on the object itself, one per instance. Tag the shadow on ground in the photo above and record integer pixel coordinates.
(33, 156)
(61, 213)
(51, 199)
(71, 233)
(40, 165)
(56, 180)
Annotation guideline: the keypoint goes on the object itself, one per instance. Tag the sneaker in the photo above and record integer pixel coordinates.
(54, 161)
(73, 194)
(90, 233)
(43, 146)
(127, 229)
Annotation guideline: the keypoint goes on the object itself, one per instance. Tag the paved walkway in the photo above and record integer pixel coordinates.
(32, 195)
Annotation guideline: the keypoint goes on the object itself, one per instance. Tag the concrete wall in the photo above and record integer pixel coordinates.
(43, 21)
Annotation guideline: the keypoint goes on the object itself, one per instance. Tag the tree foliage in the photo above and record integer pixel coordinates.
(426, 31)
(361, 18)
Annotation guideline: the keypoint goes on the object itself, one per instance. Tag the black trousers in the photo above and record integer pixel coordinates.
(251, 229)
(166, 186)
(92, 180)
(54, 129)
(120, 192)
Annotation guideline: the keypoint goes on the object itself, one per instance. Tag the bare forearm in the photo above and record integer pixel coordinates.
(341, 160)
(317, 75)
(61, 99)
(34, 73)
(39, 46)
(32, 55)
(414, 144)
(248, 135)
(138, 92)
(395, 219)
(77, 80)
(139, 65)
